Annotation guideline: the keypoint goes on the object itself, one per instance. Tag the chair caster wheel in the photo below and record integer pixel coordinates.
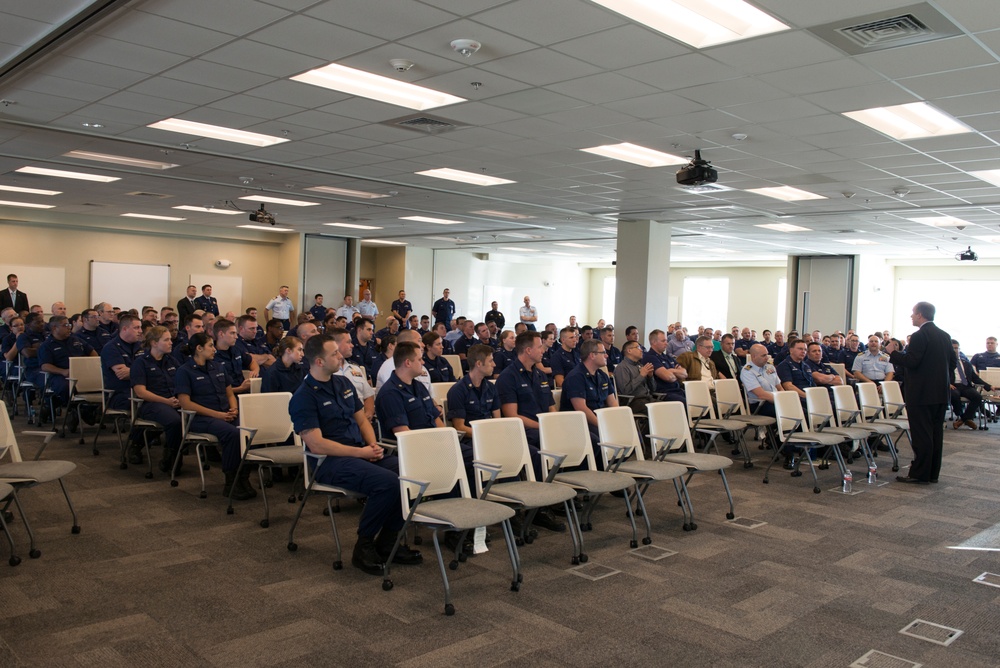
(587, 527)
(418, 540)
(75, 529)
(203, 495)
(34, 554)
(821, 467)
(519, 542)
(291, 499)
(265, 524)
(575, 561)
(269, 484)
(386, 585)
(748, 465)
(301, 495)
(173, 483)
(462, 557)
(515, 586)
(149, 476)
(338, 565)
(815, 490)
(633, 544)
(292, 547)
(453, 565)
(584, 558)
(895, 468)
(765, 481)
(449, 609)
(730, 516)
(850, 460)
(123, 466)
(230, 510)
(95, 451)
(647, 541)
(796, 474)
(686, 527)
(326, 512)
(638, 511)
(14, 561)
(694, 527)
(529, 539)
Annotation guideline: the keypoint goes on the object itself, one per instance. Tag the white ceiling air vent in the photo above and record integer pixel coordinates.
(424, 123)
(139, 193)
(903, 26)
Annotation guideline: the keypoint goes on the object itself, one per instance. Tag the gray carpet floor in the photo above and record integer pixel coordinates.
(159, 577)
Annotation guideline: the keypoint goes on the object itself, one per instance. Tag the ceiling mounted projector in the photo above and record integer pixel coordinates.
(262, 216)
(968, 255)
(697, 172)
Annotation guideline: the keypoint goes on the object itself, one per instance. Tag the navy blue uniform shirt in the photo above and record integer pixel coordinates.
(57, 353)
(471, 403)
(206, 385)
(281, 378)
(156, 376)
(233, 362)
(581, 384)
(530, 390)
(329, 407)
(562, 361)
(797, 373)
(97, 338)
(439, 369)
(658, 361)
(401, 405)
(114, 353)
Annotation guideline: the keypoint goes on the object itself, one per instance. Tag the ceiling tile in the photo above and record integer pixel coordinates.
(315, 38)
(164, 34)
(600, 88)
(547, 22)
(384, 20)
(539, 67)
(235, 17)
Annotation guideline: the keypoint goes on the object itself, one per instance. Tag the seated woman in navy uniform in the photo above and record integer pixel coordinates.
(286, 374)
(385, 350)
(152, 375)
(202, 387)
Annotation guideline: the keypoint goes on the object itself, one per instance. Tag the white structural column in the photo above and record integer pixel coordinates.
(642, 277)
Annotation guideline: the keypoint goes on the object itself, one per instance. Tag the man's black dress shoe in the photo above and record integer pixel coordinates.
(913, 481)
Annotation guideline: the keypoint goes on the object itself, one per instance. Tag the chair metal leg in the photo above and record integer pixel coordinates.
(892, 451)
(449, 609)
(515, 559)
(33, 552)
(641, 505)
(685, 498)
(199, 454)
(69, 502)
(729, 495)
(14, 559)
(338, 562)
(576, 532)
(266, 522)
(239, 470)
(812, 469)
(634, 543)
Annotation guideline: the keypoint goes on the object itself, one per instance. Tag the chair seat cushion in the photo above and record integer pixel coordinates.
(206, 438)
(755, 420)
(41, 471)
(463, 513)
(899, 423)
(531, 494)
(653, 469)
(819, 438)
(597, 482)
(853, 433)
(722, 425)
(286, 455)
(700, 461)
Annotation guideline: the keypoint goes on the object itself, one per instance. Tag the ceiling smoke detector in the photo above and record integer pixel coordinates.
(401, 64)
(466, 47)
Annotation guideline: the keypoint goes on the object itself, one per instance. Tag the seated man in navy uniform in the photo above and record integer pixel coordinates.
(248, 344)
(742, 346)
(614, 354)
(437, 366)
(963, 385)
(364, 347)
(823, 374)
(116, 361)
(229, 356)
(588, 388)
(793, 373)
(466, 341)
(666, 372)
(328, 415)
(473, 398)
(403, 402)
(391, 327)
(91, 332)
(760, 380)
(566, 356)
(53, 358)
(989, 359)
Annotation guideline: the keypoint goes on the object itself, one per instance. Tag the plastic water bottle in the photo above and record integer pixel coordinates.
(872, 473)
(848, 480)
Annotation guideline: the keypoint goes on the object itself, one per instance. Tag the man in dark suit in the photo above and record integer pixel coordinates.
(12, 298)
(963, 386)
(726, 361)
(186, 306)
(930, 363)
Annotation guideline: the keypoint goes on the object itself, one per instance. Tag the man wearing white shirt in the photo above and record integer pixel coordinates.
(529, 314)
(366, 306)
(281, 308)
(347, 309)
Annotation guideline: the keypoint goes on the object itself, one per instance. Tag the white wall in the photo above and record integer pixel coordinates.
(875, 290)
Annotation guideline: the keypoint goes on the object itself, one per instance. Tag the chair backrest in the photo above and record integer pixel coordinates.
(456, 365)
(845, 401)
(787, 408)
(439, 391)
(841, 370)
(893, 395)
(616, 425)
(433, 456)
(246, 374)
(268, 414)
(557, 397)
(727, 393)
(255, 384)
(818, 404)
(669, 419)
(869, 399)
(8, 442)
(699, 400)
(87, 373)
(566, 433)
(990, 375)
(501, 441)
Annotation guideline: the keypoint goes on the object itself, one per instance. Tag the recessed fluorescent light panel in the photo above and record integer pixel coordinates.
(784, 227)
(572, 244)
(993, 239)
(353, 226)
(385, 242)
(63, 174)
(786, 193)
(278, 200)
(436, 221)
(988, 175)
(150, 216)
(518, 250)
(940, 221)
(502, 214)
(361, 194)
(120, 160)
(858, 242)
(30, 191)
(909, 121)
(266, 228)
(207, 209)
(464, 177)
(216, 132)
(638, 155)
(27, 205)
(696, 22)
(376, 87)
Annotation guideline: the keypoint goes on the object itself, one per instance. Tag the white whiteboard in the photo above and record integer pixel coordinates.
(227, 290)
(43, 285)
(129, 286)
